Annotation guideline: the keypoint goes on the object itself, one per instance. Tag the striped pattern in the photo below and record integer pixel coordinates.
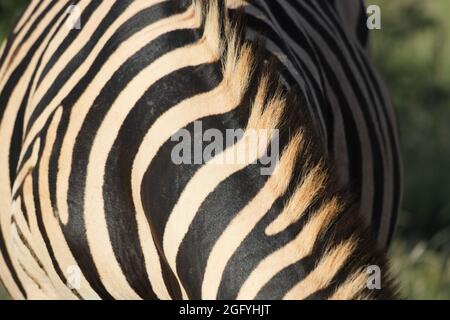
(322, 46)
(86, 118)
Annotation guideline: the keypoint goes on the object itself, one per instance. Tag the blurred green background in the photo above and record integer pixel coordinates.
(412, 51)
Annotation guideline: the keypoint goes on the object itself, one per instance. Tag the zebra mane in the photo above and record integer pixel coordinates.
(331, 232)
(90, 118)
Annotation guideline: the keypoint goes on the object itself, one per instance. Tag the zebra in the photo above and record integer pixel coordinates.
(87, 181)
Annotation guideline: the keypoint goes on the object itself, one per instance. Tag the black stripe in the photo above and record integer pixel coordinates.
(117, 188)
(25, 213)
(9, 265)
(226, 201)
(362, 32)
(68, 40)
(32, 13)
(12, 36)
(257, 245)
(42, 17)
(215, 213)
(162, 173)
(117, 9)
(277, 287)
(378, 167)
(20, 70)
(119, 205)
(312, 91)
(7, 91)
(364, 72)
(37, 206)
(168, 180)
(74, 231)
(370, 84)
(16, 140)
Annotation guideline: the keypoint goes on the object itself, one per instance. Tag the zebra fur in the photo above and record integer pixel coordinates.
(84, 149)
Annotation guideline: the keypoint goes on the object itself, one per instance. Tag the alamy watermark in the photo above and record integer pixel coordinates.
(374, 17)
(374, 278)
(73, 21)
(234, 146)
(73, 277)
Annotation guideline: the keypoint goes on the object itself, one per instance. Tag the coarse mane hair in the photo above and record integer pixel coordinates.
(332, 232)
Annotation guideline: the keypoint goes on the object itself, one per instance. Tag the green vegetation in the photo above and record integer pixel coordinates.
(421, 272)
(412, 52)
(9, 11)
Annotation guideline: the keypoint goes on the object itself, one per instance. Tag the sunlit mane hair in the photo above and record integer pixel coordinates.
(341, 246)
